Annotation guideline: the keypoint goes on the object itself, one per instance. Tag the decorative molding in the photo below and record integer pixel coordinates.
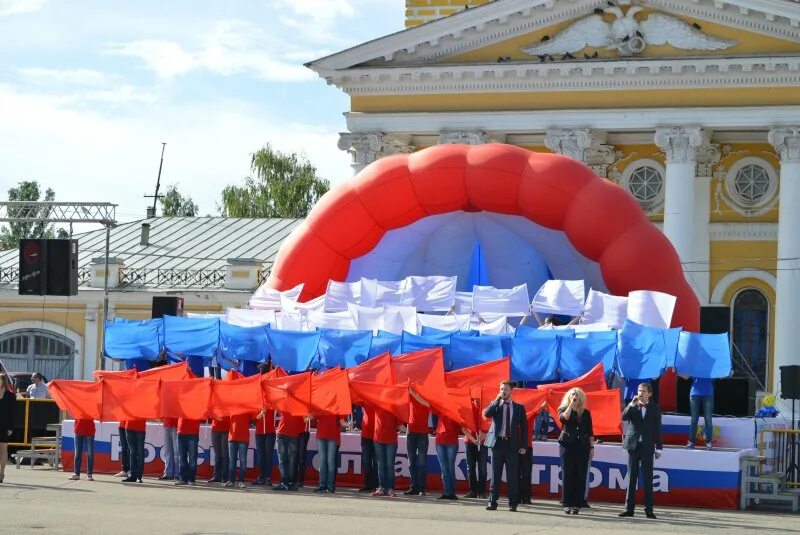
(627, 35)
(708, 156)
(657, 204)
(732, 199)
(730, 278)
(573, 75)
(367, 147)
(743, 232)
(680, 143)
(467, 137)
(786, 142)
(615, 119)
(576, 143)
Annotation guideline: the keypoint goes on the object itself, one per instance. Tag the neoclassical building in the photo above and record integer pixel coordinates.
(691, 105)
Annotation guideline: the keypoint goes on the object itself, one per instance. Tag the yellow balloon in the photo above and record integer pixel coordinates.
(769, 400)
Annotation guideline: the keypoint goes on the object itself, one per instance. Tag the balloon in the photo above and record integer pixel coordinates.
(599, 232)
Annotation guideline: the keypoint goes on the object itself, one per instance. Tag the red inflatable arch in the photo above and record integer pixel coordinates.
(603, 222)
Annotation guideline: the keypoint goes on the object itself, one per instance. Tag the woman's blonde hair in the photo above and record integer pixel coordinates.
(568, 397)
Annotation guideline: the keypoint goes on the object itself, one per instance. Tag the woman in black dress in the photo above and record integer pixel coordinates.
(576, 448)
(7, 401)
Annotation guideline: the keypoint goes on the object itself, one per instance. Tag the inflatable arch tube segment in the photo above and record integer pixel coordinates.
(600, 220)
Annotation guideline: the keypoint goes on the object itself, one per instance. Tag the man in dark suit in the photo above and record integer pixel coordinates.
(511, 434)
(643, 442)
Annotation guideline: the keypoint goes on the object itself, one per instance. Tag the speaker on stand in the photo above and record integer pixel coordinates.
(790, 390)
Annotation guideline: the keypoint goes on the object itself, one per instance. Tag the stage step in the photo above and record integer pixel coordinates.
(754, 481)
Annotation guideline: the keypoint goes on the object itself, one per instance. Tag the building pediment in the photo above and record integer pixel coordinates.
(523, 30)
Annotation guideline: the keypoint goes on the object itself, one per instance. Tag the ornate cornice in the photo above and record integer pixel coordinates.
(682, 73)
(467, 137)
(366, 147)
(680, 143)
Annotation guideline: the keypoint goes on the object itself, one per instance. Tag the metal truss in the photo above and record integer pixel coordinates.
(58, 212)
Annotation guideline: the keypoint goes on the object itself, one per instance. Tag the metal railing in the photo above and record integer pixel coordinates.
(779, 447)
(194, 278)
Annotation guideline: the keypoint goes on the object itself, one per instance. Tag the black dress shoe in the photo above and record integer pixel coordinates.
(491, 507)
(585, 505)
(165, 478)
(470, 495)
(411, 492)
(512, 508)
(650, 514)
(129, 480)
(625, 513)
(442, 497)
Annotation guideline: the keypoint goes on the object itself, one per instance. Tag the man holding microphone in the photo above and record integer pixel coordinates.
(510, 433)
(642, 442)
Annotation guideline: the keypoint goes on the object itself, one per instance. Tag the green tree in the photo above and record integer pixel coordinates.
(281, 185)
(173, 204)
(11, 234)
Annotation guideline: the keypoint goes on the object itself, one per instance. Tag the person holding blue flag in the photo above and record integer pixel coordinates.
(701, 398)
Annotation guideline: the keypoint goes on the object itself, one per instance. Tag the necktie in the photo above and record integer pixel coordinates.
(506, 419)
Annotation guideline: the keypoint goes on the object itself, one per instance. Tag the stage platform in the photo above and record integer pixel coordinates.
(691, 478)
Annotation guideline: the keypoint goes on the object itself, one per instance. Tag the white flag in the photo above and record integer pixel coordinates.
(651, 309)
(463, 303)
(399, 319)
(289, 321)
(245, 317)
(491, 325)
(376, 293)
(266, 298)
(444, 323)
(340, 293)
(611, 310)
(559, 297)
(367, 318)
(511, 301)
(330, 320)
(429, 294)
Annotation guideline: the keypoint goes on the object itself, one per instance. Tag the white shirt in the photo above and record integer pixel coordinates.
(642, 408)
(38, 392)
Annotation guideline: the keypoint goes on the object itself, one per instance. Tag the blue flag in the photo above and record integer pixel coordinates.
(642, 352)
(385, 342)
(466, 351)
(671, 337)
(243, 343)
(704, 356)
(131, 341)
(579, 355)
(534, 359)
(523, 331)
(506, 342)
(414, 342)
(294, 351)
(343, 348)
(198, 337)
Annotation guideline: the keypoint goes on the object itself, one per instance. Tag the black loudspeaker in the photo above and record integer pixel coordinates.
(167, 305)
(734, 396)
(790, 382)
(715, 320)
(32, 267)
(61, 267)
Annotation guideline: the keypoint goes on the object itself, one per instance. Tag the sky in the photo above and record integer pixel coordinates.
(89, 89)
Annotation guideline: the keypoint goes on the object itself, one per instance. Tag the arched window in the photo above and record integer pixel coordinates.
(750, 334)
(34, 350)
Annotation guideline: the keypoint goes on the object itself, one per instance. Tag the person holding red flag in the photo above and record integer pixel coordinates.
(510, 433)
(417, 447)
(289, 429)
(220, 427)
(329, 432)
(84, 440)
(369, 466)
(265, 445)
(188, 439)
(447, 432)
(238, 440)
(385, 439)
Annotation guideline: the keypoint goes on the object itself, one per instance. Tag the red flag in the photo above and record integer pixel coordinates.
(185, 399)
(592, 381)
(330, 393)
(81, 399)
(290, 394)
(488, 373)
(235, 396)
(531, 398)
(424, 368)
(171, 372)
(606, 412)
(129, 399)
(454, 403)
(108, 373)
(375, 370)
(391, 398)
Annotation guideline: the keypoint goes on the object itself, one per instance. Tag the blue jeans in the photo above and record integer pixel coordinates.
(447, 460)
(696, 404)
(385, 453)
(265, 449)
(136, 448)
(187, 452)
(237, 450)
(327, 463)
(417, 448)
(171, 460)
(287, 458)
(81, 443)
(219, 442)
(124, 453)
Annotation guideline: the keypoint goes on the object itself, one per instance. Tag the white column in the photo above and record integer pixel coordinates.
(366, 147)
(680, 145)
(707, 157)
(91, 330)
(787, 306)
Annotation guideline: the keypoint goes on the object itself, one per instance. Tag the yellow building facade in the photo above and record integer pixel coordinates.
(691, 105)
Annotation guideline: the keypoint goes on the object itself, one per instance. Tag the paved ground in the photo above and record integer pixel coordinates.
(43, 501)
